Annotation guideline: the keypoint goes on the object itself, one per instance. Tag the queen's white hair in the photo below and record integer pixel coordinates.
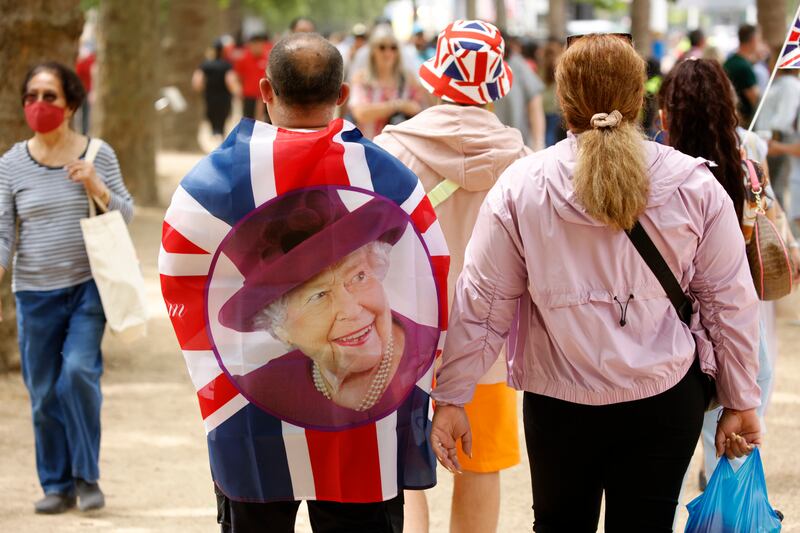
(273, 316)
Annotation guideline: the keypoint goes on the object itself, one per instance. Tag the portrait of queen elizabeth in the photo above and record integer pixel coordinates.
(314, 274)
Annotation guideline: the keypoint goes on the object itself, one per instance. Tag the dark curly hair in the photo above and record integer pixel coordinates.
(701, 118)
(71, 84)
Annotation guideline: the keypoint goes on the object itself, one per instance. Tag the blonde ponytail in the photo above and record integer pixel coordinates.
(600, 85)
(610, 179)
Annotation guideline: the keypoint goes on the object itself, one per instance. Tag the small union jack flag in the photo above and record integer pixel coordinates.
(255, 455)
(790, 58)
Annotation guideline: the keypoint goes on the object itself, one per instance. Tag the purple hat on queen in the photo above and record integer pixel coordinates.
(292, 239)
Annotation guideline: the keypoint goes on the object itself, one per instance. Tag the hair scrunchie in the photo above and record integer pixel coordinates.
(606, 120)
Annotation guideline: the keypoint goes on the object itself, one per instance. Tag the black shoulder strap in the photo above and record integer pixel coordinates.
(652, 257)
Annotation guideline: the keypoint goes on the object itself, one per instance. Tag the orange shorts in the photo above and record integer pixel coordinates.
(493, 419)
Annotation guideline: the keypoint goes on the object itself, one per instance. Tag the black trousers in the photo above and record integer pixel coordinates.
(217, 113)
(326, 517)
(636, 452)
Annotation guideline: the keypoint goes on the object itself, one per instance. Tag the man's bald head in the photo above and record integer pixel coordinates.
(305, 70)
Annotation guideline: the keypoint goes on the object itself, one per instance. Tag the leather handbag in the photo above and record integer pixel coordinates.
(767, 254)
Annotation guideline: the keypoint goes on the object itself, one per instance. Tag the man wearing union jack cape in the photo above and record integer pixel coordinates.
(305, 274)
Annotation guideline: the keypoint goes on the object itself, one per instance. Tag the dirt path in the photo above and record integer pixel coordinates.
(154, 462)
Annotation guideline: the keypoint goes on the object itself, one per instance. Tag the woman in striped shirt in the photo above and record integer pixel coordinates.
(44, 183)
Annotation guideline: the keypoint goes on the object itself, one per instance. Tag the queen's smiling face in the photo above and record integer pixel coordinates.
(341, 317)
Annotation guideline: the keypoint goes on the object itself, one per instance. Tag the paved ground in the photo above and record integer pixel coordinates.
(154, 460)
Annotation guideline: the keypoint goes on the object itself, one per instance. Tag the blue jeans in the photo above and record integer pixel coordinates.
(59, 341)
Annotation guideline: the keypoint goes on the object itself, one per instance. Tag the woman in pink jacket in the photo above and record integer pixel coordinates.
(615, 382)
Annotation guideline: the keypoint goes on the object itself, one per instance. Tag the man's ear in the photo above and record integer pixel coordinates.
(344, 94)
(267, 92)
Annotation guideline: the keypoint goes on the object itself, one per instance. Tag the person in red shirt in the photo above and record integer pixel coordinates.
(83, 68)
(250, 68)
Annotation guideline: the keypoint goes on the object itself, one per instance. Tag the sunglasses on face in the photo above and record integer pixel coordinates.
(384, 47)
(32, 96)
(572, 38)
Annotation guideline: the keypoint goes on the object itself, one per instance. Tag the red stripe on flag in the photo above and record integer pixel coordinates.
(303, 159)
(184, 297)
(175, 243)
(423, 215)
(492, 40)
(215, 394)
(346, 464)
(441, 86)
(441, 267)
(480, 67)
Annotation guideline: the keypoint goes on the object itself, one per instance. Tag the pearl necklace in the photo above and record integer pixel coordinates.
(376, 387)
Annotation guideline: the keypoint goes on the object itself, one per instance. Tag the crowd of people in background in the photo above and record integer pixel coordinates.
(401, 96)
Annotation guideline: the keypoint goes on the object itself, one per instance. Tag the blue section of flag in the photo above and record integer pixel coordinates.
(469, 45)
(498, 70)
(475, 26)
(416, 463)
(390, 177)
(453, 72)
(494, 93)
(221, 181)
(248, 457)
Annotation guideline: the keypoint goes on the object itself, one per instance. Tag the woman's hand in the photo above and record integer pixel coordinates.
(737, 432)
(83, 172)
(409, 107)
(450, 423)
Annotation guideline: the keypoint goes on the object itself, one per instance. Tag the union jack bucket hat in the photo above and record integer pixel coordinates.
(468, 67)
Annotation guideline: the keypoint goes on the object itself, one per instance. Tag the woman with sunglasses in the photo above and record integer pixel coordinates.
(615, 382)
(384, 92)
(45, 184)
(697, 107)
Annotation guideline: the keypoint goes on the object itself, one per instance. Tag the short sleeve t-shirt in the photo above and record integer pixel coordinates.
(251, 69)
(741, 74)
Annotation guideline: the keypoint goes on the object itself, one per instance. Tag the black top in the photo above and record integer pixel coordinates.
(214, 71)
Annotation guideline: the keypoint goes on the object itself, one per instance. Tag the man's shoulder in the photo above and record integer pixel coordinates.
(737, 63)
(740, 71)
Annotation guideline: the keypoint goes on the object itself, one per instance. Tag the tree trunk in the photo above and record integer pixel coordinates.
(30, 32)
(500, 17)
(189, 33)
(472, 10)
(233, 18)
(557, 19)
(126, 85)
(640, 26)
(773, 23)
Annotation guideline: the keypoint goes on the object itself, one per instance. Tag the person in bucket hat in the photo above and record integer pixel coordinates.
(459, 149)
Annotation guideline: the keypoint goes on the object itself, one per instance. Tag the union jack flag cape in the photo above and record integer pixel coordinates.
(790, 58)
(255, 455)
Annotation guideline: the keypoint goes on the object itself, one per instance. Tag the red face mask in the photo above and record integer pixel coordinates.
(43, 117)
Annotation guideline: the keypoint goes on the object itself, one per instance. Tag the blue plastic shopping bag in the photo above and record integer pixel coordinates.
(734, 502)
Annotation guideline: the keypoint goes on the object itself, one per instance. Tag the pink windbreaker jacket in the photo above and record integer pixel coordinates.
(534, 248)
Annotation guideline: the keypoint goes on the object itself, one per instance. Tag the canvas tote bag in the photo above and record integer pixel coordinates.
(115, 267)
